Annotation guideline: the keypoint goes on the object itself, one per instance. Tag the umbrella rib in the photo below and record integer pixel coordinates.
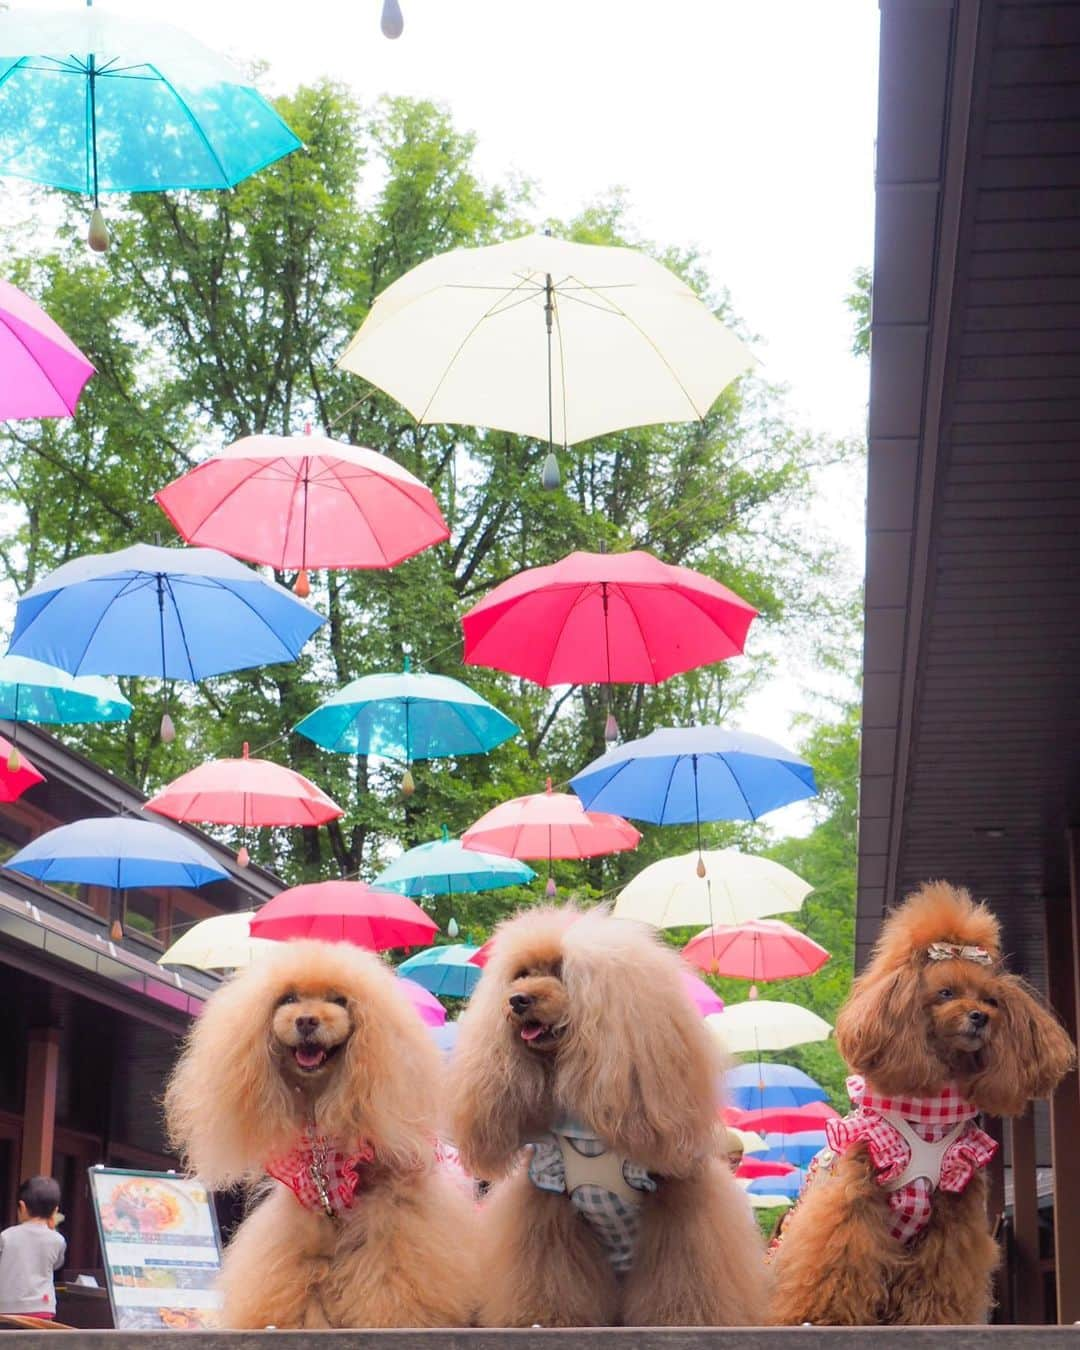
(624, 591)
(193, 120)
(562, 358)
(52, 383)
(222, 500)
(400, 488)
(101, 617)
(180, 624)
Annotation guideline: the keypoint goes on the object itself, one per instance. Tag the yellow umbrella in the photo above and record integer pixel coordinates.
(736, 887)
(223, 942)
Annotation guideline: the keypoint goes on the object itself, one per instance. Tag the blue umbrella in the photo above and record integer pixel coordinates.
(445, 867)
(31, 691)
(790, 1184)
(444, 971)
(93, 102)
(445, 1036)
(751, 1087)
(797, 1149)
(119, 852)
(407, 717)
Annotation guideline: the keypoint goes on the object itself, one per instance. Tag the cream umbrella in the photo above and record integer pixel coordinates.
(546, 338)
(751, 1141)
(736, 887)
(223, 942)
(763, 1201)
(761, 1024)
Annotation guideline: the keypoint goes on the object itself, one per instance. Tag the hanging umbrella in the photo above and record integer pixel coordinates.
(759, 1024)
(430, 1010)
(222, 942)
(407, 717)
(117, 851)
(787, 1187)
(299, 502)
(42, 372)
(32, 691)
(546, 338)
(446, 867)
(760, 949)
(783, 1119)
(757, 1201)
(756, 1085)
(445, 971)
(751, 1143)
(752, 1168)
(799, 1149)
(94, 102)
(549, 825)
(344, 911)
(175, 613)
(445, 1037)
(16, 772)
(736, 887)
(704, 999)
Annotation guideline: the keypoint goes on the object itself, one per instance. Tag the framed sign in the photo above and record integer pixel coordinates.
(160, 1246)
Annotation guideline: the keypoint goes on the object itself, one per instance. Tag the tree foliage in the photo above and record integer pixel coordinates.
(858, 302)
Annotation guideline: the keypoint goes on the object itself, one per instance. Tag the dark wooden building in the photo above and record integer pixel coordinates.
(971, 724)
(91, 1025)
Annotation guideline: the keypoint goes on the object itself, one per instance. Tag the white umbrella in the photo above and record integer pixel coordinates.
(751, 1141)
(763, 1201)
(736, 887)
(546, 338)
(761, 1024)
(223, 942)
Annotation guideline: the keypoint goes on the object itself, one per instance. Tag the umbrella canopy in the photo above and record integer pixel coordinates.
(602, 618)
(222, 942)
(446, 867)
(94, 102)
(760, 949)
(42, 372)
(752, 1086)
(736, 887)
(445, 1036)
(799, 1149)
(466, 337)
(408, 717)
(788, 1186)
(751, 1143)
(784, 1119)
(344, 911)
(247, 792)
(16, 772)
(752, 1168)
(684, 775)
(445, 971)
(704, 999)
(119, 852)
(549, 825)
(32, 691)
(431, 1011)
(176, 613)
(759, 1024)
(757, 1201)
(304, 501)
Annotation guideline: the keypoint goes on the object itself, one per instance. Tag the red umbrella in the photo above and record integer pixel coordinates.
(782, 1119)
(761, 949)
(482, 955)
(16, 772)
(304, 501)
(345, 911)
(752, 1168)
(603, 618)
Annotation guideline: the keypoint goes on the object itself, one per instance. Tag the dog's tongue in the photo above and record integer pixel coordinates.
(309, 1056)
(531, 1030)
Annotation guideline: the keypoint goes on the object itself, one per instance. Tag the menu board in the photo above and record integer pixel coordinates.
(161, 1249)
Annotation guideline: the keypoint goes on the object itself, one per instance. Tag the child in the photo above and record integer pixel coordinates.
(31, 1251)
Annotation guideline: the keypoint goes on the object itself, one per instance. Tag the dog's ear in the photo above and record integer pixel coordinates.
(1029, 1052)
(227, 1109)
(883, 1032)
(637, 1063)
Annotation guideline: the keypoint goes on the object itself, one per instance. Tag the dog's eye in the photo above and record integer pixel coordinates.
(288, 998)
(340, 1000)
(945, 994)
(990, 1002)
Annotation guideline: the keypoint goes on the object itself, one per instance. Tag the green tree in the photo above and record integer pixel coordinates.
(858, 301)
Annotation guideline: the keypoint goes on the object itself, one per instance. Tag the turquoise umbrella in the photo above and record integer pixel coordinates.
(445, 867)
(444, 971)
(33, 691)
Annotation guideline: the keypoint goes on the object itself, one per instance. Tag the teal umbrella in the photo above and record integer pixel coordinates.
(444, 867)
(443, 971)
(33, 691)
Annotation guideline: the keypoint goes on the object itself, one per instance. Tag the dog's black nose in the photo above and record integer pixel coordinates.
(978, 1019)
(520, 1002)
(307, 1026)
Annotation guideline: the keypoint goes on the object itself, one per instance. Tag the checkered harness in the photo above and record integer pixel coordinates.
(606, 1190)
(916, 1144)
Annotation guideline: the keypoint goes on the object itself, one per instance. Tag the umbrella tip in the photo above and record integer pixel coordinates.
(445, 835)
(307, 428)
(247, 750)
(548, 785)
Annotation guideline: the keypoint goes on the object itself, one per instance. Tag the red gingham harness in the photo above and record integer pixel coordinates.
(933, 1120)
(322, 1178)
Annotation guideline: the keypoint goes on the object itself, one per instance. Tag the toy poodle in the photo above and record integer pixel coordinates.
(583, 1085)
(310, 1067)
(891, 1228)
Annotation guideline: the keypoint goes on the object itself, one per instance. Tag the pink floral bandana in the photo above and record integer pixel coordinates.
(322, 1178)
(931, 1118)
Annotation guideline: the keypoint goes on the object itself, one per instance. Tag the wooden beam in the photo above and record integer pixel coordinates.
(1065, 1111)
(1027, 1279)
(39, 1105)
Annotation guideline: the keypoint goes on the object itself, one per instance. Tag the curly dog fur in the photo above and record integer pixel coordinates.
(906, 1026)
(319, 1033)
(608, 1037)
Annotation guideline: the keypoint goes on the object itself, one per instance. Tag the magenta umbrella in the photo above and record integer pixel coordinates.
(304, 502)
(431, 1011)
(42, 372)
(704, 999)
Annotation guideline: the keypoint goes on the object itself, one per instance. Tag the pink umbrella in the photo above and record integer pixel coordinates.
(761, 949)
(304, 501)
(752, 1168)
(42, 372)
(782, 1119)
(705, 1000)
(426, 1004)
(16, 772)
(345, 911)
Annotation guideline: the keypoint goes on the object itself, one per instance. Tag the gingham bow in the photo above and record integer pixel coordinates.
(956, 951)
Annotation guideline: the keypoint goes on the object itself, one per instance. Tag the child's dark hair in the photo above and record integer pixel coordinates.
(41, 1196)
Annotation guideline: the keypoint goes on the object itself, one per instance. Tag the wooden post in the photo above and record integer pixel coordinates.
(39, 1108)
(1027, 1279)
(1065, 1109)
